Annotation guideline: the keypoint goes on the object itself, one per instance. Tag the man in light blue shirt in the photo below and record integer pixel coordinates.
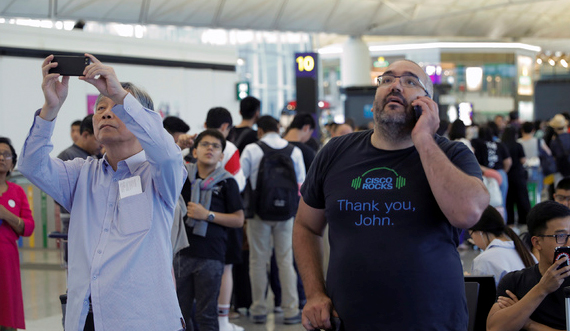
(122, 205)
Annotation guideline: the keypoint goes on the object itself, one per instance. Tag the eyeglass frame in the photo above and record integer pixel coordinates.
(7, 155)
(566, 198)
(422, 85)
(556, 236)
(206, 144)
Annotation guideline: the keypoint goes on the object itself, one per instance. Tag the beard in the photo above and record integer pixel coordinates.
(391, 123)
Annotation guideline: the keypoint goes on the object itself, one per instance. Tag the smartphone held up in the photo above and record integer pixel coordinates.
(560, 252)
(70, 65)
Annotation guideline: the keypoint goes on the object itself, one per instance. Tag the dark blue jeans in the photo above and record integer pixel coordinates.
(198, 279)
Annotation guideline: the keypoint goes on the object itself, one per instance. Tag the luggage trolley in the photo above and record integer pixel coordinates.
(61, 239)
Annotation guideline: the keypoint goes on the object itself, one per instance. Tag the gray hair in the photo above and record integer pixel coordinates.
(139, 94)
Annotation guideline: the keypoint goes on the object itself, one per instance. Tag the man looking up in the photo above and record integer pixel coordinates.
(394, 199)
(120, 255)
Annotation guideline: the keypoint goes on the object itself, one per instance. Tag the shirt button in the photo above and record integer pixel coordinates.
(85, 302)
(110, 205)
(115, 179)
(99, 251)
(106, 230)
(94, 277)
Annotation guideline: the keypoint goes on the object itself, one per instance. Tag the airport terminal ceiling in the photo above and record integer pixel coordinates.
(489, 19)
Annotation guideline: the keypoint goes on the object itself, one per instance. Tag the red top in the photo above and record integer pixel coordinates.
(12, 312)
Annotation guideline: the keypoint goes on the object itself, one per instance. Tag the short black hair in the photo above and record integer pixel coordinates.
(300, 120)
(457, 130)
(248, 106)
(174, 124)
(268, 123)
(543, 212)
(76, 123)
(527, 127)
(7, 141)
(563, 184)
(212, 133)
(87, 124)
(218, 116)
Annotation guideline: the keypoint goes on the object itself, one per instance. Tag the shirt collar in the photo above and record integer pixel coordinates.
(132, 162)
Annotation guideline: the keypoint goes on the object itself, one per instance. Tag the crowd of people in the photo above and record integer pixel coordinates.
(170, 230)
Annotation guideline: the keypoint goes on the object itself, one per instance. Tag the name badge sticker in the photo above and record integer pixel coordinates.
(130, 186)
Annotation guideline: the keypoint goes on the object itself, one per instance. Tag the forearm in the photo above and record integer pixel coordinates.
(515, 317)
(535, 326)
(231, 220)
(308, 249)
(15, 222)
(461, 197)
(159, 147)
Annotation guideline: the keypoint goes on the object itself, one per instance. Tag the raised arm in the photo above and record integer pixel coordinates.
(308, 248)
(161, 151)
(461, 197)
(517, 316)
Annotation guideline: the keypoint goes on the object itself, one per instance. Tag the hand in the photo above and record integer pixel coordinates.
(4, 213)
(552, 278)
(505, 302)
(428, 123)
(317, 313)
(55, 91)
(107, 82)
(186, 140)
(197, 211)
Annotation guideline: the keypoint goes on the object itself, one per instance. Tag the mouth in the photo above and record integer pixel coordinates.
(105, 126)
(395, 99)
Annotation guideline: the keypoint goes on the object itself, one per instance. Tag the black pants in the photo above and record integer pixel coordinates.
(89, 324)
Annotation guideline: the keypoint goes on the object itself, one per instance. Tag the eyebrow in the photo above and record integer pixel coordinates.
(406, 73)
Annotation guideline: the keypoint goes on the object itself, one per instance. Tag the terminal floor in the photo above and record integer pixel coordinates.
(43, 281)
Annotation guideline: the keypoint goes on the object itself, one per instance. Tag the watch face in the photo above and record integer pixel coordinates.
(211, 217)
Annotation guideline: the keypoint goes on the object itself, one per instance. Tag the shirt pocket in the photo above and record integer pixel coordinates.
(134, 214)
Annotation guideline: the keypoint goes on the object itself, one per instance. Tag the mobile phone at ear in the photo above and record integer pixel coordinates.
(70, 65)
(561, 252)
(417, 112)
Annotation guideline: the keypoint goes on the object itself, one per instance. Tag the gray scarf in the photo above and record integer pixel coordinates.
(202, 193)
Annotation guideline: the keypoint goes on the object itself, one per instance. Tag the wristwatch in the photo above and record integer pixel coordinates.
(211, 217)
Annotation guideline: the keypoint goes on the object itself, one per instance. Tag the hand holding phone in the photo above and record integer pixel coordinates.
(70, 65)
(417, 112)
(560, 252)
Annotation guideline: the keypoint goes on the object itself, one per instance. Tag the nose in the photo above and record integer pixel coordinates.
(396, 85)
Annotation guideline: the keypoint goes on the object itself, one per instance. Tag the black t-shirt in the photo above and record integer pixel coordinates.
(242, 137)
(394, 263)
(516, 151)
(490, 154)
(225, 199)
(308, 153)
(551, 311)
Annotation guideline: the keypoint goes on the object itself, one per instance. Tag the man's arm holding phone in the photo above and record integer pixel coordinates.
(517, 316)
(461, 197)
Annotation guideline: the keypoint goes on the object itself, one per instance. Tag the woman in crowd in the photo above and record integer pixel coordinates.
(15, 221)
(503, 249)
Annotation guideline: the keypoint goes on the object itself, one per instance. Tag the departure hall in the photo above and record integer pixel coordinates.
(489, 80)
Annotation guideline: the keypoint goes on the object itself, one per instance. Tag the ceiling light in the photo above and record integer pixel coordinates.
(551, 62)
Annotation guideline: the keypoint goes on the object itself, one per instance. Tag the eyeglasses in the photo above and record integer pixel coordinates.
(407, 81)
(561, 238)
(6, 155)
(561, 198)
(206, 144)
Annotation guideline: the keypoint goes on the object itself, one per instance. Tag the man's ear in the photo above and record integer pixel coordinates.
(536, 242)
(195, 152)
(224, 127)
(205, 127)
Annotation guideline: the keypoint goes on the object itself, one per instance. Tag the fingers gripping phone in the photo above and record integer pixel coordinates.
(70, 65)
(560, 252)
(417, 112)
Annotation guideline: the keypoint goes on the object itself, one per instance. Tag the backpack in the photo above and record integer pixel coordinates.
(277, 191)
